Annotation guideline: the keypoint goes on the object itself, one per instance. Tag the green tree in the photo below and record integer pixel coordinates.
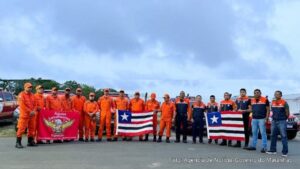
(71, 84)
(86, 89)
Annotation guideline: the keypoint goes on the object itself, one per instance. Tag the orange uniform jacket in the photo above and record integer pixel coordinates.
(152, 105)
(167, 111)
(121, 103)
(26, 104)
(53, 103)
(90, 124)
(106, 106)
(90, 107)
(67, 104)
(40, 104)
(137, 105)
(78, 103)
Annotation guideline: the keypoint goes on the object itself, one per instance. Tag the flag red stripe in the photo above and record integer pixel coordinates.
(141, 111)
(228, 138)
(230, 112)
(233, 125)
(135, 134)
(141, 122)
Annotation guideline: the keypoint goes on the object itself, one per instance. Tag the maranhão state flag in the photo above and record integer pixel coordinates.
(134, 123)
(226, 125)
(54, 125)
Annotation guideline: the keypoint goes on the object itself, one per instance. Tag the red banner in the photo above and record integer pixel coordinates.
(55, 125)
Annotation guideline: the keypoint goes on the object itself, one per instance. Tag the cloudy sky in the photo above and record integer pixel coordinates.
(200, 46)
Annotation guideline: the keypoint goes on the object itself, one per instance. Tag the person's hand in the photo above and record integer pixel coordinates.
(267, 120)
(32, 113)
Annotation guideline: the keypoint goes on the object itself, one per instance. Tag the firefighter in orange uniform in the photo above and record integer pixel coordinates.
(137, 105)
(53, 102)
(121, 103)
(167, 116)
(40, 104)
(78, 103)
(66, 101)
(153, 105)
(90, 109)
(106, 106)
(27, 116)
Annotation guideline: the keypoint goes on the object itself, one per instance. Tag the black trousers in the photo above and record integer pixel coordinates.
(181, 120)
(246, 127)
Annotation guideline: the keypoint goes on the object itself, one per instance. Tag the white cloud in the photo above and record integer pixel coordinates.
(264, 44)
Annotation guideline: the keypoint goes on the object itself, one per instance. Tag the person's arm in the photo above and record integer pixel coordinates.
(268, 110)
(234, 106)
(249, 106)
(287, 110)
(191, 113)
(189, 110)
(175, 113)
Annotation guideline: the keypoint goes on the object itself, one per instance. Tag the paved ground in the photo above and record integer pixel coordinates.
(140, 155)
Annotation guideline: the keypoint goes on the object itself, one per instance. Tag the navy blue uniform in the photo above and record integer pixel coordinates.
(243, 103)
(198, 124)
(182, 110)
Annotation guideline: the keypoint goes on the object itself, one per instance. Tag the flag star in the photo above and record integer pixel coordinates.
(214, 119)
(124, 116)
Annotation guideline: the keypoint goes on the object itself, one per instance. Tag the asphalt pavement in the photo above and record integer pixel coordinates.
(135, 154)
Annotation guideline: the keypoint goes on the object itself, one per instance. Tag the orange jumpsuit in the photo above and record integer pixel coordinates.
(53, 103)
(90, 122)
(67, 104)
(40, 104)
(26, 106)
(167, 113)
(119, 104)
(78, 104)
(151, 106)
(137, 106)
(105, 106)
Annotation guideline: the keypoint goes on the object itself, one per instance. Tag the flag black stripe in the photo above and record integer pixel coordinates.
(232, 119)
(141, 117)
(135, 128)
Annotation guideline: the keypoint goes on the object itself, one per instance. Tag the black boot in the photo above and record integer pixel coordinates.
(230, 143)
(177, 138)
(167, 140)
(209, 141)
(18, 143)
(223, 143)
(184, 140)
(238, 144)
(154, 138)
(194, 140)
(147, 137)
(201, 141)
(159, 139)
(31, 142)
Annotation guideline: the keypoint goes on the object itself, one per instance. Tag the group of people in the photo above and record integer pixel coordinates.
(179, 112)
